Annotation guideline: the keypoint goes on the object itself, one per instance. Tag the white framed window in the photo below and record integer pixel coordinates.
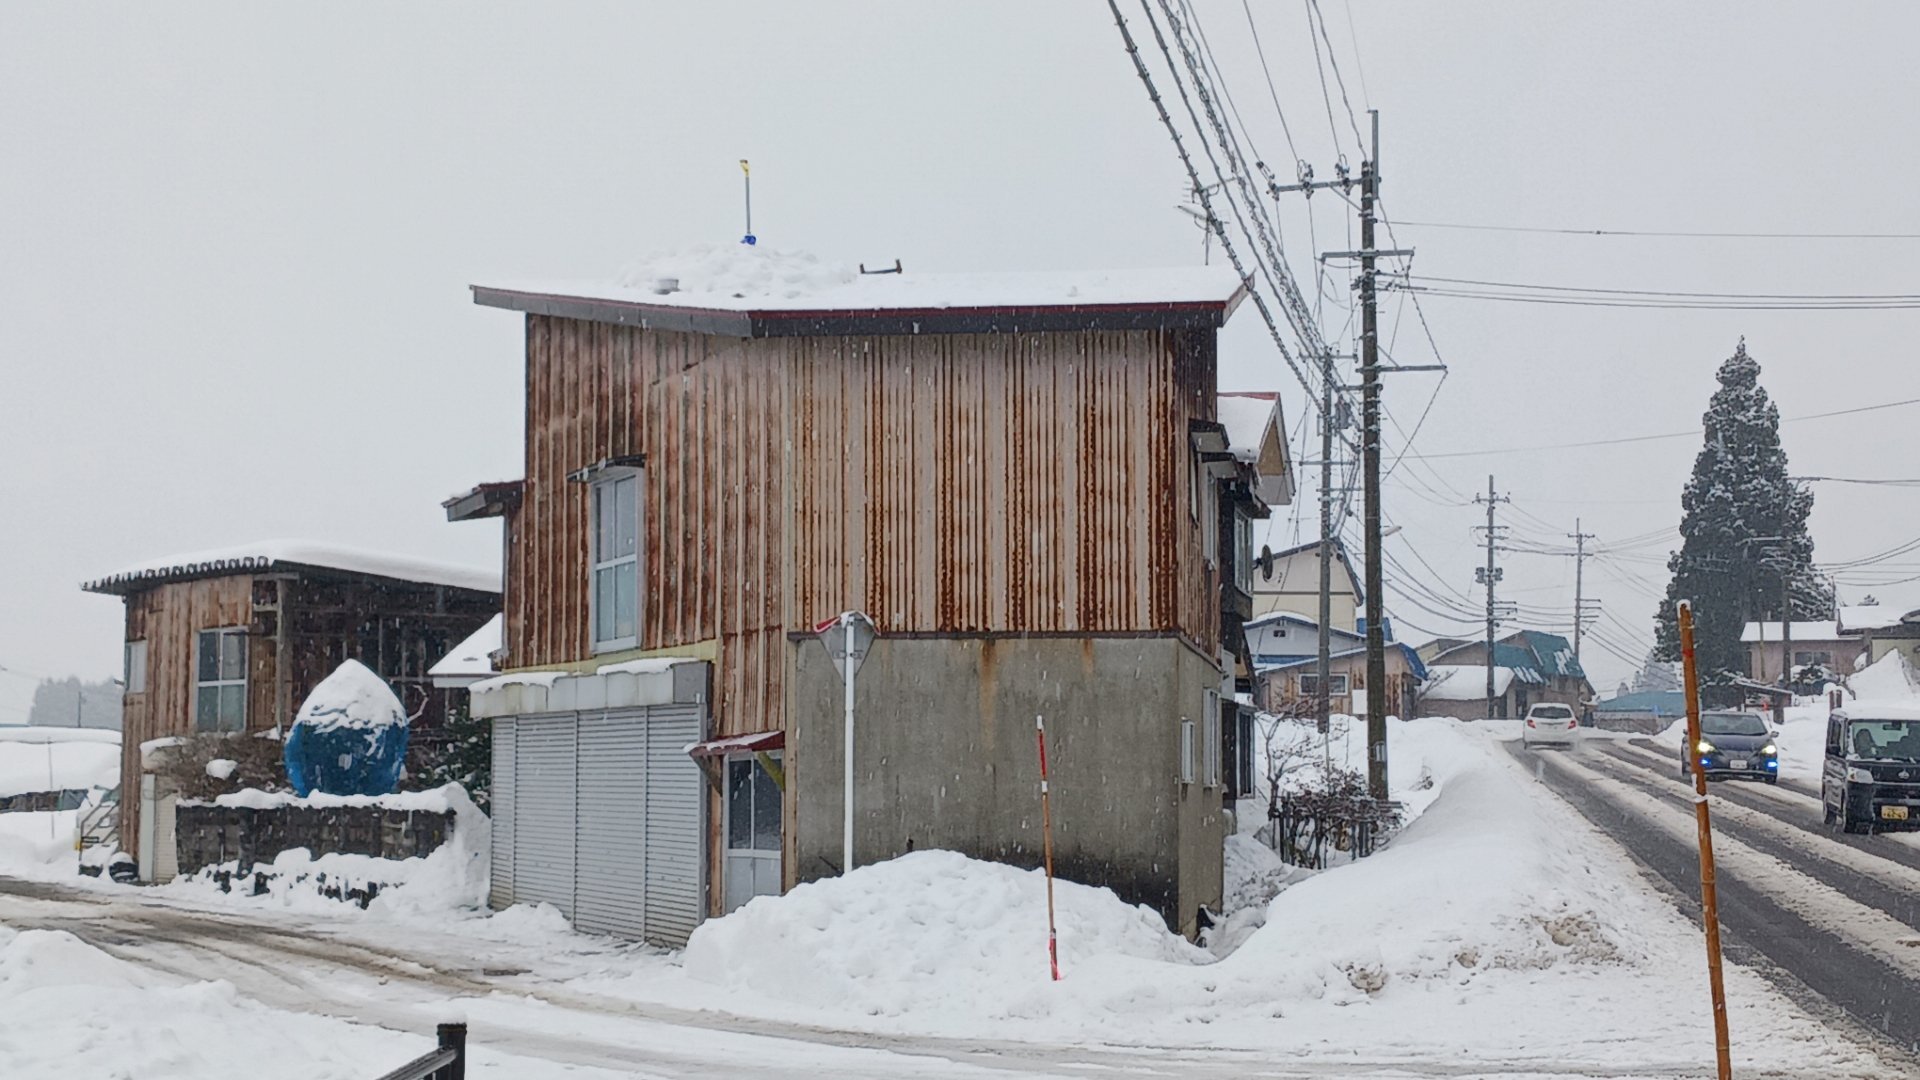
(1186, 751)
(1211, 744)
(614, 593)
(220, 682)
(1243, 552)
(134, 673)
(1336, 684)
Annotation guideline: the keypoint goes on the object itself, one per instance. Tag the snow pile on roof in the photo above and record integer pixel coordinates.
(1464, 682)
(753, 279)
(1871, 617)
(1247, 417)
(932, 931)
(472, 658)
(27, 766)
(1827, 630)
(352, 697)
(268, 554)
(729, 272)
(21, 733)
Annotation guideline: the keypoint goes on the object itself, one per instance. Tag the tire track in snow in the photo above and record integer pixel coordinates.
(1790, 932)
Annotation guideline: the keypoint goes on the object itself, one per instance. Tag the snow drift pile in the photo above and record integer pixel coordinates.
(350, 737)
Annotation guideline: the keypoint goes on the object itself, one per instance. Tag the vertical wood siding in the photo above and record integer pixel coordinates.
(942, 483)
(167, 618)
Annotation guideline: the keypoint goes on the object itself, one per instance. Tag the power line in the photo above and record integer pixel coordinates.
(1650, 438)
(1662, 292)
(1854, 480)
(1664, 233)
(1841, 304)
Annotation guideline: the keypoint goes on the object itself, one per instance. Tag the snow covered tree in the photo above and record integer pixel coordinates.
(467, 757)
(1738, 495)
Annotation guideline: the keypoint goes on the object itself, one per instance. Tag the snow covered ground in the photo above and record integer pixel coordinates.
(1498, 934)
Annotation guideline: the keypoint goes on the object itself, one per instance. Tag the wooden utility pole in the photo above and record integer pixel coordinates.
(1323, 707)
(1370, 463)
(1709, 898)
(1579, 594)
(1490, 576)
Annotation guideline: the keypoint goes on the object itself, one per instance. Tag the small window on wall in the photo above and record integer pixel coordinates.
(1186, 751)
(1336, 685)
(615, 595)
(220, 685)
(135, 672)
(1243, 552)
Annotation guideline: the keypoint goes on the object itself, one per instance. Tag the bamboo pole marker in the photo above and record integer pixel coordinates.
(1709, 901)
(1046, 833)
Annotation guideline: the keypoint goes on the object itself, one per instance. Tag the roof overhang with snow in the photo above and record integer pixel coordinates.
(1257, 436)
(485, 500)
(471, 660)
(1769, 632)
(292, 557)
(903, 304)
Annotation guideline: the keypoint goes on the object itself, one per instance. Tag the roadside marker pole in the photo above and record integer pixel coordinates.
(1046, 832)
(1709, 900)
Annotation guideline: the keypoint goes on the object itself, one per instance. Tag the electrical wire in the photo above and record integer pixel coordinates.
(1651, 438)
(1663, 233)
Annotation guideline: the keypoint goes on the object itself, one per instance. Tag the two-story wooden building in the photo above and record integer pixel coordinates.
(232, 641)
(1022, 479)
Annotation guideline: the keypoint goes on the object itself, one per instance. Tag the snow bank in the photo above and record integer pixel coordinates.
(58, 765)
(932, 931)
(452, 877)
(38, 844)
(1889, 681)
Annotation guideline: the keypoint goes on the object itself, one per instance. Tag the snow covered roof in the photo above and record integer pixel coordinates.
(741, 291)
(1257, 436)
(1829, 630)
(29, 766)
(1874, 617)
(1467, 682)
(291, 555)
(472, 659)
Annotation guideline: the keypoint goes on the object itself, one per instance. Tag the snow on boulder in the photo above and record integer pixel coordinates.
(350, 737)
(930, 930)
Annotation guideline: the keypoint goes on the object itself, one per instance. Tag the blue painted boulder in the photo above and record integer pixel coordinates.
(350, 737)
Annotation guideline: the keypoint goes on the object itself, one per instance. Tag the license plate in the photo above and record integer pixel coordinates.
(1737, 763)
(1893, 813)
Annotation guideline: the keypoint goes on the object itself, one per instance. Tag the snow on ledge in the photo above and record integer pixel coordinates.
(440, 800)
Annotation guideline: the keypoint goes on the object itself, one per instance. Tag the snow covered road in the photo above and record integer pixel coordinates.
(1833, 919)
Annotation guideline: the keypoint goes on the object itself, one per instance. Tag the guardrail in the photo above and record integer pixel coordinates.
(446, 1062)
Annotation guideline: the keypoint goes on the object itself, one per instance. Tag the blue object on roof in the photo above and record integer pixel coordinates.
(1661, 703)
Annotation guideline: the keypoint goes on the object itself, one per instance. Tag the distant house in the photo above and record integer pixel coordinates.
(1286, 653)
(232, 641)
(1814, 642)
(1529, 666)
(1290, 582)
(471, 660)
(1879, 629)
(1027, 481)
(1646, 711)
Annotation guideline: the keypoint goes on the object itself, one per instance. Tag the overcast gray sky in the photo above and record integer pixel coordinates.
(235, 242)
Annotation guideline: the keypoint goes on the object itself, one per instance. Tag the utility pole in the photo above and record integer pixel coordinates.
(1579, 596)
(1324, 669)
(1489, 575)
(1370, 455)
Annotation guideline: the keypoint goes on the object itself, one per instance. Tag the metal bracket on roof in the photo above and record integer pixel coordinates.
(895, 269)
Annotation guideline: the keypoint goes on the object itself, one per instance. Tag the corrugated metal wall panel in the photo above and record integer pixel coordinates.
(613, 837)
(676, 800)
(544, 811)
(504, 810)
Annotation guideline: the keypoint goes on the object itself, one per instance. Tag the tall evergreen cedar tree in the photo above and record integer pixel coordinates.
(1738, 494)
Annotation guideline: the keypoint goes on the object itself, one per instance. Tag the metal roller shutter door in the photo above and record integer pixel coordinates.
(500, 895)
(676, 825)
(610, 895)
(544, 811)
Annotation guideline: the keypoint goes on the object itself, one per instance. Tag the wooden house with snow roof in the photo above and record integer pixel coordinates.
(231, 642)
(1028, 482)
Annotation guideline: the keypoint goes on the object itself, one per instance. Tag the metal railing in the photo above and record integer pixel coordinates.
(447, 1062)
(1308, 827)
(100, 824)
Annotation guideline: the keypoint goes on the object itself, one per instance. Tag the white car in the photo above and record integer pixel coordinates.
(1550, 725)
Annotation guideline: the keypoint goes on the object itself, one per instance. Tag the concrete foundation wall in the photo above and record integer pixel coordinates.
(945, 757)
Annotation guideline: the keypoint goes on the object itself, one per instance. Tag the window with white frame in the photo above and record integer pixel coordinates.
(616, 562)
(1186, 751)
(135, 673)
(1243, 551)
(1210, 738)
(1336, 684)
(220, 683)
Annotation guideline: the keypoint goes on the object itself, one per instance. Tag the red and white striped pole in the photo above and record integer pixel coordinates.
(1046, 832)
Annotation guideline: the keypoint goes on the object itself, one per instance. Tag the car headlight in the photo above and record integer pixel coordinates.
(1769, 750)
(1704, 747)
(1859, 776)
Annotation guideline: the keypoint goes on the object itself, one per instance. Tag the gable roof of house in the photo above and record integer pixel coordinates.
(750, 292)
(267, 555)
(1339, 556)
(1860, 617)
(1466, 682)
(1534, 655)
(1257, 435)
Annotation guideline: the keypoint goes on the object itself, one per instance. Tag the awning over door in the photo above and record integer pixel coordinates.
(757, 743)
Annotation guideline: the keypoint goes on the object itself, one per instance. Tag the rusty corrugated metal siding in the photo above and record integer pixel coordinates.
(943, 483)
